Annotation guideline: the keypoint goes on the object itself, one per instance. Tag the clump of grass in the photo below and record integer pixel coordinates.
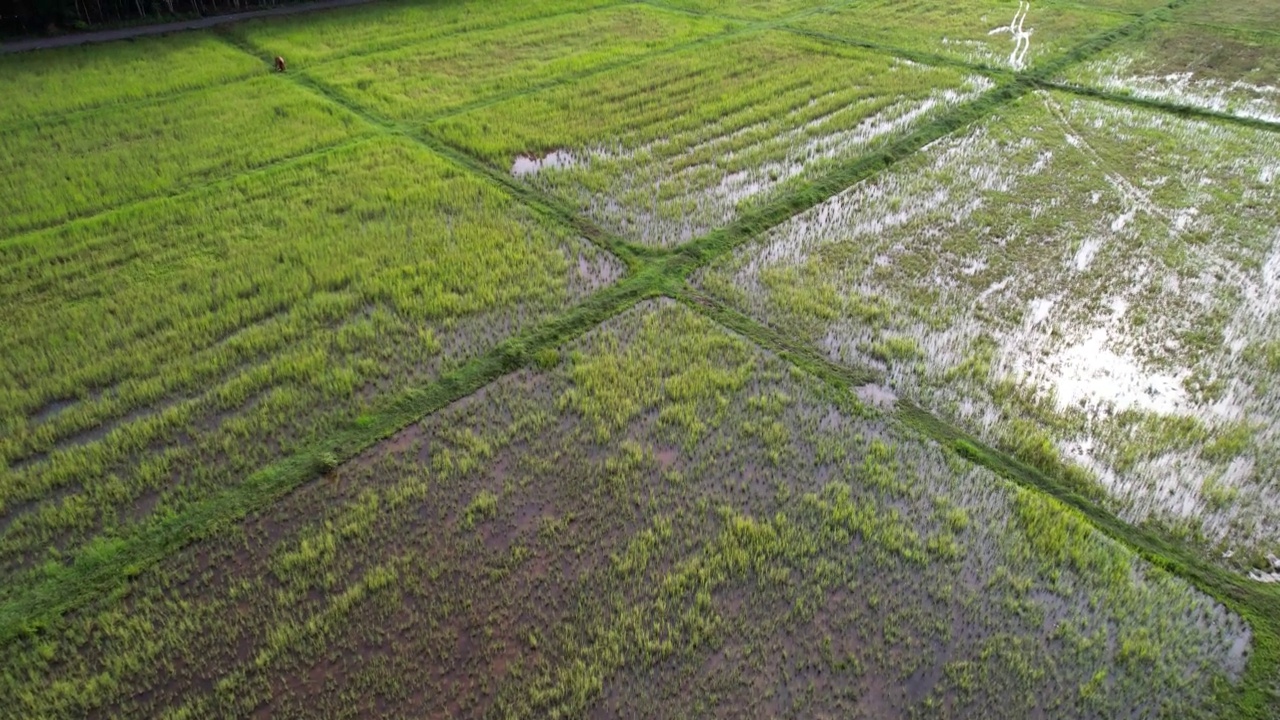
(482, 507)
(895, 349)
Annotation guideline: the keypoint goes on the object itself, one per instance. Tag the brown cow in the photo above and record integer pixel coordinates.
(279, 64)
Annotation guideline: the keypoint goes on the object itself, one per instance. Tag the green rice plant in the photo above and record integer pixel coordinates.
(1061, 537)
(895, 349)
(482, 507)
(415, 83)
(1264, 354)
(53, 82)
(63, 169)
(688, 380)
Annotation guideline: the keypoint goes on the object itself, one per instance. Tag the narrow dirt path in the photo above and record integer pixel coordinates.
(162, 28)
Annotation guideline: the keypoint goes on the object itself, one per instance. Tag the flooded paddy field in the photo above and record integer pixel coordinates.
(667, 150)
(673, 358)
(659, 518)
(987, 33)
(1238, 14)
(1089, 283)
(1224, 69)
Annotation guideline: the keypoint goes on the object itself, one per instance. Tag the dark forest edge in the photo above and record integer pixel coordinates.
(45, 18)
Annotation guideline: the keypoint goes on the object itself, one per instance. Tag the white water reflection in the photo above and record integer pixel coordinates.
(530, 164)
(1021, 37)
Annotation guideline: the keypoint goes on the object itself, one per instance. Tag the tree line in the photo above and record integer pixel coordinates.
(32, 17)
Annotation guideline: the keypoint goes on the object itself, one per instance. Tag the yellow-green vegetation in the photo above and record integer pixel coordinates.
(966, 31)
(320, 37)
(45, 84)
(147, 348)
(1133, 7)
(528, 565)
(749, 9)
(660, 359)
(666, 150)
(612, 388)
(423, 80)
(61, 169)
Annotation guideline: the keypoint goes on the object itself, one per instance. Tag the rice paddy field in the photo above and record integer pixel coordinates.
(684, 358)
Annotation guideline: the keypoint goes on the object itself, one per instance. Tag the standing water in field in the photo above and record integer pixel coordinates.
(1129, 304)
(531, 164)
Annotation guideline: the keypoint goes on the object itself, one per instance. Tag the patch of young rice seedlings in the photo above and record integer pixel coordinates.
(52, 82)
(66, 168)
(666, 150)
(990, 33)
(1219, 69)
(167, 350)
(572, 541)
(1090, 286)
(415, 83)
(312, 38)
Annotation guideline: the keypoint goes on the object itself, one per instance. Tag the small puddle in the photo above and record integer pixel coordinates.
(530, 164)
(598, 272)
(877, 395)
